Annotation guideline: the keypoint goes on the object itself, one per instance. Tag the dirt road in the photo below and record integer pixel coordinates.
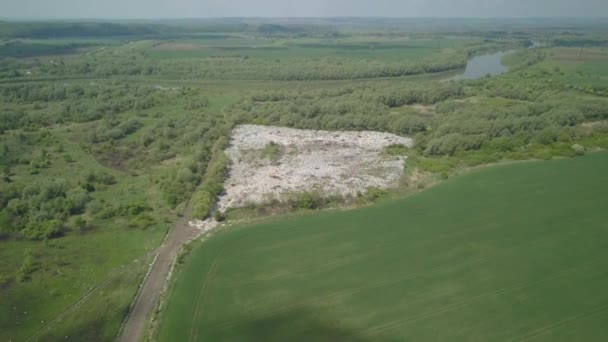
(152, 287)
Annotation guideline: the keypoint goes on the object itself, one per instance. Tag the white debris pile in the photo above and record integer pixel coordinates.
(329, 162)
(203, 226)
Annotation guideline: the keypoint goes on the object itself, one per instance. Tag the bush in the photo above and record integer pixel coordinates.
(305, 200)
(24, 273)
(219, 216)
(396, 150)
(134, 208)
(202, 202)
(371, 195)
(213, 185)
(142, 221)
(578, 149)
(48, 229)
(94, 207)
(80, 224)
(272, 151)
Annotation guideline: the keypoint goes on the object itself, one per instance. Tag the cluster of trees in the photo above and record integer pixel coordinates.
(242, 68)
(205, 197)
(50, 104)
(18, 49)
(43, 209)
(40, 211)
(49, 208)
(365, 107)
(43, 30)
(517, 113)
(513, 126)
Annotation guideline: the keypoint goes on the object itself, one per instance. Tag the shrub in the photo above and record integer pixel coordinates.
(24, 273)
(142, 221)
(219, 216)
(271, 151)
(579, 150)
(396, 150)
(305, 200)
(46, 229)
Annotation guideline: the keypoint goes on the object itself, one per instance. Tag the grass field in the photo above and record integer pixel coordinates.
(82, 284)
(370, 48)
(592, 61)
(79, 276)
(513, 252)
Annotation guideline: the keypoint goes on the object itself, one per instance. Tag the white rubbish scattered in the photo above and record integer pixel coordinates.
(203, 226)
(339, 162)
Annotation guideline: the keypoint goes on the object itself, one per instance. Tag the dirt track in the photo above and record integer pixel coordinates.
(154, 284)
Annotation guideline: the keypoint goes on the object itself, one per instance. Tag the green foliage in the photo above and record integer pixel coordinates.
(306, 200)
(40, 210)
(21, 49)
(372, 195)
(213, 185)
(29, 266)
(271, 151)
(75, 29)
(579, 150)
(141, 221)
(219, 216)
(396, 150)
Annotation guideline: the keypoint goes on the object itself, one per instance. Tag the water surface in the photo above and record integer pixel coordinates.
(482, 65)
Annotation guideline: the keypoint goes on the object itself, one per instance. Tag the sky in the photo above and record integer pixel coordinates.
(134, 9)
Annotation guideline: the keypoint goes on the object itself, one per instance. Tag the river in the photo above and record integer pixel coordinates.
(482, 65)
(487, 64)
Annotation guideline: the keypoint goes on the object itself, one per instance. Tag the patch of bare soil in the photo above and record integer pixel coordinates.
(272, 162)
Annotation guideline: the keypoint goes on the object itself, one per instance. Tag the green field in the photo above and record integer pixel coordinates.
(513, 252)
(360, 48)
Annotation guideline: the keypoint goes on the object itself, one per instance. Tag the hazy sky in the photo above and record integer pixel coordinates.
(299, 8)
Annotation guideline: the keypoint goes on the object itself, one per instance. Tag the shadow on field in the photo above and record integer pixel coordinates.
(301, 324)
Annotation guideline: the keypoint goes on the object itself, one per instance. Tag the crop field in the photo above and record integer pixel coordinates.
(512, 252)
(586, 60)
(370, 48)
(599, 68)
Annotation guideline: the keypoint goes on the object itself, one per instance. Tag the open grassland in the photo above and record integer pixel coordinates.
(84, 282)
(359, 48)
(592, 61)
(81, 281)
(515, 252)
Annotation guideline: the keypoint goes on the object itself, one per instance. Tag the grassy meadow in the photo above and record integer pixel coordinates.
(81, 283)
(512, 252)
(354, 48)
